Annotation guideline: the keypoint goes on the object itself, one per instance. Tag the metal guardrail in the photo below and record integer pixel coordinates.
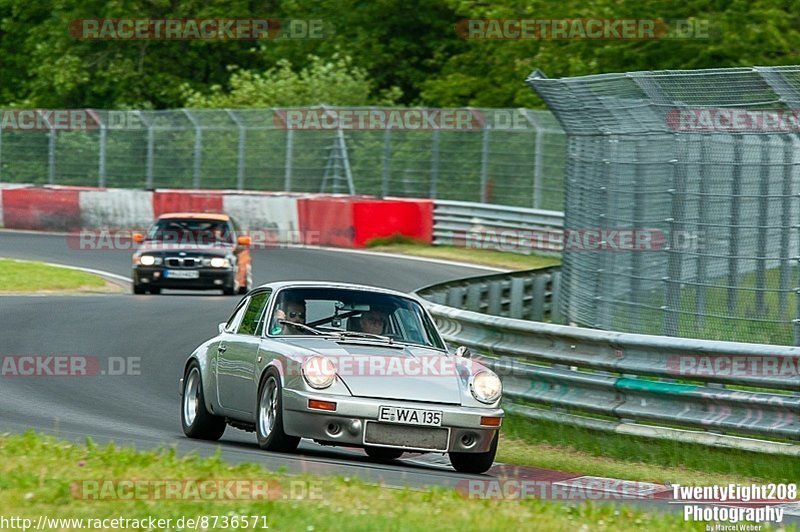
(721, 394)
(531, 295)
(486, 226)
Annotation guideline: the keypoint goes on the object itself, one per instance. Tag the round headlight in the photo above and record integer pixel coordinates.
(147, 260)
(319, 372)
(220, 262)
(486, 386)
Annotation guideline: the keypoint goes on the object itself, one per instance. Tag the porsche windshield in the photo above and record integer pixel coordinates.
(357, 315)
(191, 231)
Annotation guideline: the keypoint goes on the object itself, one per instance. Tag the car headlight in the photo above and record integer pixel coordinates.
(319, 372)
(220, 262)
(148, 260)
(486, 386)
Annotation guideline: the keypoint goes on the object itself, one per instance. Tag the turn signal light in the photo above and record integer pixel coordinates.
(488, 421)
(330, 406)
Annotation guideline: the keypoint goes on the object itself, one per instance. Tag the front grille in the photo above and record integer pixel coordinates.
(182, 262)
(408, 436)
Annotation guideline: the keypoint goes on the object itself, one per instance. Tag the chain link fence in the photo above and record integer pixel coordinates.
(511, 157)
(704, 164)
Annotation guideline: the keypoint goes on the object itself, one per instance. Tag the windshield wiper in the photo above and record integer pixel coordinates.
(355, 334)
(303, 326)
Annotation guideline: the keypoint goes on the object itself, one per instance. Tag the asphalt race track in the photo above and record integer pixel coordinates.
(143, 410)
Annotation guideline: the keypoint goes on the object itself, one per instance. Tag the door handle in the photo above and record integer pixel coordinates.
(222, 348)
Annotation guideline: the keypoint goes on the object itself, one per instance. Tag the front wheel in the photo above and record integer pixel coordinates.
(197, 421)
(269, 421)
(475, 462)
(138, 289)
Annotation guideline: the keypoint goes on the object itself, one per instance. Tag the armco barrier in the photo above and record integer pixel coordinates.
(485, 226)
(652, 386)
(347, 221)
(55, 209)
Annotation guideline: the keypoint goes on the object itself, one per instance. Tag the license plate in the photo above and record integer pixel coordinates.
(182, 274)
(410, 416)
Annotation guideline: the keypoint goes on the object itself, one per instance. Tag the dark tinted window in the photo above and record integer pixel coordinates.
(191, 231)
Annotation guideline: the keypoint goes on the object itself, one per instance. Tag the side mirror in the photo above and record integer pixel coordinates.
(221, 327)
(463, 352)
(138, 238)
(244, 241)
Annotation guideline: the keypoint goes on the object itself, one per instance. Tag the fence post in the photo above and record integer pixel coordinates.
(240, 151)
(101, 152)
(735, 215)
(485, 164)
(786, 224)
(763, 220)
(51, 150)
(387, 154)
(198, 149)
(1, 153)
(703, 216)
(537, 170)
(672, 291)
(287, 175)
(434, 163)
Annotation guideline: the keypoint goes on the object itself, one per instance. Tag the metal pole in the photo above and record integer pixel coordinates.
(485, 164)
(150, 151)
(287, 176)
(703, 217)
(198, 149)
(733, 223)
(387, 155)
(786, 224)
(346, 162)
(434, 163)
(240, 158)
(537, 170)
(672, 293)
(101, 164)
(763, 221)
(1, 153)
(51, 151)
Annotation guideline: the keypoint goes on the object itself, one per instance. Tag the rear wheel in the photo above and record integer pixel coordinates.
(197, 421)
(475, 462)
(383, 454)
(269, 417)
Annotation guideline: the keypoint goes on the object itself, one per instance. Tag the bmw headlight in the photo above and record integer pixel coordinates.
(319, 372)
(486, 386)
(220, 262)
(147, 260)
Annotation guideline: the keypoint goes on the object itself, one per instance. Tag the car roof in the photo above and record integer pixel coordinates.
(196, 216)
(277, 285)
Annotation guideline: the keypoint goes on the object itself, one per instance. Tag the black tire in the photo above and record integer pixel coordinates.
(475, 462)
(138, 289)
(383, 454)
(204, 425)
(269, 411)
(155, 290)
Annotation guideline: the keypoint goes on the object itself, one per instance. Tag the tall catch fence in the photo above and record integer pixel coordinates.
(703, 166)
(502, 156)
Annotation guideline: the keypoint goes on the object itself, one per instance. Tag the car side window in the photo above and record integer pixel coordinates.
(236, 317)
(253, 314)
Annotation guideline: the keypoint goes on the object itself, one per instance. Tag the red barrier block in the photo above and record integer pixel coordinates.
(352, 222)
(165, 201)
(326, 221)
(385, 218)
(53, 209)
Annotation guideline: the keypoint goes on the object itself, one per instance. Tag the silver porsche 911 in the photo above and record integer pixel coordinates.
(342, 364)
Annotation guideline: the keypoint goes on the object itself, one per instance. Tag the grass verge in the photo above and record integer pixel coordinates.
(588, 452)
(485, 257)
(29, 277)
(44, 476)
